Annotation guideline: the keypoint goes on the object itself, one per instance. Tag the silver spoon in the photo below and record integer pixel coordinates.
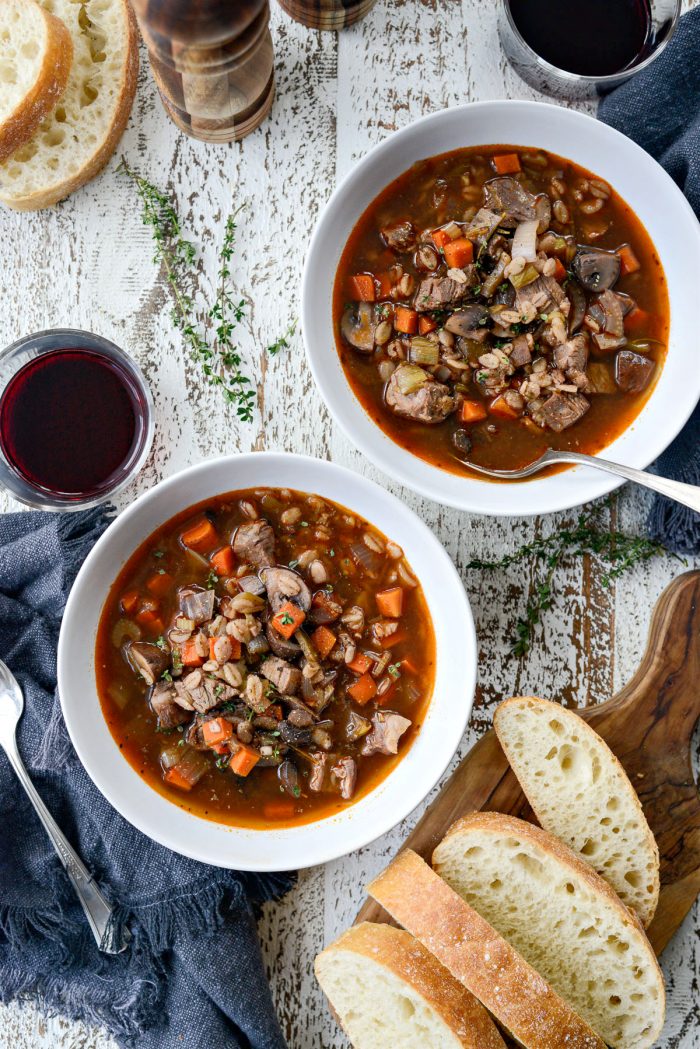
(686, 494)
(98, 912)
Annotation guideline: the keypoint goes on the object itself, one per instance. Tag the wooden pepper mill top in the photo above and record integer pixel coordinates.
(212, 61)
(327, 14)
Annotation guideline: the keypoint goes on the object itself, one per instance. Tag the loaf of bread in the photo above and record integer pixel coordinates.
(388, 992)
(78, 137)
(580, 792)
(36, 52)
(563, 918)
(519, 998)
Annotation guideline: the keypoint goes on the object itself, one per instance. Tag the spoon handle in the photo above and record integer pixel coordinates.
(98, 911)
(686, 494)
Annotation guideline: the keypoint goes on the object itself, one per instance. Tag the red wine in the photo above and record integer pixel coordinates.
(587, 37)
(68, 421)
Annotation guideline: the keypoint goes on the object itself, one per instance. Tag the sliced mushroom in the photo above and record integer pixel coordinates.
(282, 585)
(147, 660)
(293, 734)
(288, 775)
(596, 269)
(387, 729)
(358, 324)
(464, 321)
(281, 646)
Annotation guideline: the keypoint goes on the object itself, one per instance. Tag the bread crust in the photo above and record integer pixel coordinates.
(44, 94)
(598, 742)
(519, 998)
(408, 959)
(57, 191)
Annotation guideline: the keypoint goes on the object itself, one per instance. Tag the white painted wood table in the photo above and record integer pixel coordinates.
(87, 263)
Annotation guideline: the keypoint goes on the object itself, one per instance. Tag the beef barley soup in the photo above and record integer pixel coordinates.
(497, 301)
(265, 658)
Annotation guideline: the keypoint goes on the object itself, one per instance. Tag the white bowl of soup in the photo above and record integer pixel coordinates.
(266, 662)
(497, 279)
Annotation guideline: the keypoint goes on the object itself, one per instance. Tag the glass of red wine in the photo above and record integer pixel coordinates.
(579, 49)
(76, 419)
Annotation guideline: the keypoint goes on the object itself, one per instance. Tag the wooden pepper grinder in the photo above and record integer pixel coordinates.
(213, 63)
(327, 14)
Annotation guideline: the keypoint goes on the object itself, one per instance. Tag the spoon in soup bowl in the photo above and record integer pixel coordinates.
(98, 911)
(685, 494)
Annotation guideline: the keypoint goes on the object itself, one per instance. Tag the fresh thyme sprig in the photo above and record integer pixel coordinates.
(616, 551)
(220, 361)
(283, 342)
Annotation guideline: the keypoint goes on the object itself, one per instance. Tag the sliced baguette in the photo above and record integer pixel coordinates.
(78, 137)
(580, 792)
(477, 955)
(563, 918)
(387, 990)
(36, 52)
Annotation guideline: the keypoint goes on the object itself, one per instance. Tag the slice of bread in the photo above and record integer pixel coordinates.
(388, 991)
(563, 918)
(78, 137)
(36, 52)
(476, 954)
(580, 792)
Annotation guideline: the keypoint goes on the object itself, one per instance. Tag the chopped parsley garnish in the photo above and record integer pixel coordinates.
(212, 580)
(166, 676)
(296, 791)
(159, 553)
(293, 563)
(286, 619)
(160, 641)
(394, 669)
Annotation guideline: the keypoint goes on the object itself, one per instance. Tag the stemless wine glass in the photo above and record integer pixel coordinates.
(662, 16)
(19, 356)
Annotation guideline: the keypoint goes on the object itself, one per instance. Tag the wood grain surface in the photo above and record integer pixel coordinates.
(88, 263)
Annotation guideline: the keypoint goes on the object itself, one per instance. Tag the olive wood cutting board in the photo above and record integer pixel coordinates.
(649, 726)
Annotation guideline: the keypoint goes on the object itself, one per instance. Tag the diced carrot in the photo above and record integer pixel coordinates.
(559, 270)
(364, 689)
(288, 619)
(384, 284)
(216, 730)
(221, 748)
(361, 287)
(629, 263)
(394, 639)
(459, 253)
(189, 653)
(360, 664)
(160, 584)
(236, 648)
(406, 320)
(279, 810)
(390, 602)
(175, 778)
(223, 561)
(244, 760)
(473, 411)
(130, 601)
(507, 163)
(501, 408)
(149, 618)
(273, 711)
(200, 537)
(426, 324)
(440, 238)
(323, 640)
(635, 319)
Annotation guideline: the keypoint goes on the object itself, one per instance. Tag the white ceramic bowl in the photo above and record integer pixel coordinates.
(372, 815)
(642, 183)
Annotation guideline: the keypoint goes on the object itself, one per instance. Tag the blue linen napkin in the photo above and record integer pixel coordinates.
(193, 974)
(660, 109)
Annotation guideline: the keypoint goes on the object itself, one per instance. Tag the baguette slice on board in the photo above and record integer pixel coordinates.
(580, 792)
(519, 998)
(564, 919)
(75, 141)
(36, 52)
(387, 990)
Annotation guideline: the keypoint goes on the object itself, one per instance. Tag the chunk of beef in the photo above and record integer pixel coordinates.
(357, 325)
(201, 693)
(387, 729)
(516, 204)
(284, 584)
(436, 293)
(283, 675)
(483, 225)
(400, 237)
(430, 403)
(632, 371)
(147, 660)
(572, 356)
(197, 605)
(613, 313)
(254, 543)
(577, 297)
(319, 771)
(543, 294)
(521, 353)
(344, 774)
(608, 343)
(595, 268)
(562, 410)
(162, 700)
(471, 317)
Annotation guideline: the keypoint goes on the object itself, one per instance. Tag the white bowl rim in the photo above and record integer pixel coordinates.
(529, 498)
(310, 843)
